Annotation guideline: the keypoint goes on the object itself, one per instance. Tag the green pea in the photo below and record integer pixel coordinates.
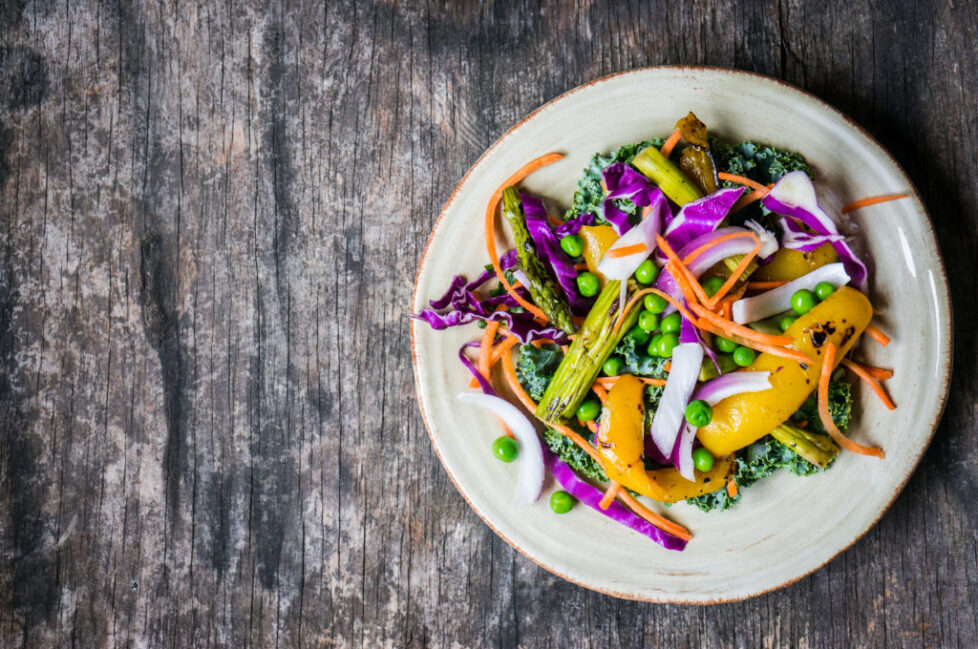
(823, 290)
(481, 324)
(672, 323)
(655, 303)
(786, 322)
(699, 413)
(702, 459)
(725, 345)
(639, 335)
(561, 502)
(572, 244)
(647, 272)
(589, 409)
(743, 356)
(802, 301)
(505, 449)
(648, 321)
(668, 343)
(712, 285)
(612, 366)
(653, 347)
(588, 284)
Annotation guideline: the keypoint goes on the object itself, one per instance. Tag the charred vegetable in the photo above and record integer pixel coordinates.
(695, 160)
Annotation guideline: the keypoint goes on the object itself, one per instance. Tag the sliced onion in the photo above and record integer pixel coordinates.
(701, 216)
(531, 461)
(591, 496)
(797, 237)
(794, 195)
(621, 268)
(686, 361)
(769, 243)
(778, 300)
(716, 390)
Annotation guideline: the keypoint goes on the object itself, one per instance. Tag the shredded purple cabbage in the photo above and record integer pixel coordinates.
(470, 366)
(548, 248)
(573, 226)
(703, 215)
(622, 181)
(591, 496)
(797, 237)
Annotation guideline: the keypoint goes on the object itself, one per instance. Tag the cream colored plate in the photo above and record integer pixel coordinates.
(786, 526)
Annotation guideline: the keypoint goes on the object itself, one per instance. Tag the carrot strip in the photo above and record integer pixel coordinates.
(732, 490)
(687, 283)
(580, 266)
(877, 373)
(609, 495)
(741, 180)
(600, 391)
(522, 173)
(625, 251)
(554, 221)
(739, 330)
(764, 286)
(747, 199)
(645, 291)
(802, 424)
(868, 379)
(828, 364)
(727, 310)
(670, 143)
(872, 200)
(485, 349)
(591, 426)
(608, 382)
(736, 274)
(500, 349)
(662, 523)
(756, 340)
(877, 335)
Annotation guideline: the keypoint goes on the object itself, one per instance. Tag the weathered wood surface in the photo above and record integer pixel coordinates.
(210, 219)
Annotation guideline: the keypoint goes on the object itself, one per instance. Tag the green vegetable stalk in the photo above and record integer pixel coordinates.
(818, 449)
(593, 344)
(545, 294)
(666, 175)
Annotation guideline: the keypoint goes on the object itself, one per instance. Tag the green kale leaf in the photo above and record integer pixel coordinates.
(637, 361)
(840, 407)
(535, 368)
(574, 456)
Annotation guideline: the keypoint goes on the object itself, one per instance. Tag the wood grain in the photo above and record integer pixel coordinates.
(210, 219)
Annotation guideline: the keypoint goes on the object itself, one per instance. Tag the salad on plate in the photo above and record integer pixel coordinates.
(685, 329)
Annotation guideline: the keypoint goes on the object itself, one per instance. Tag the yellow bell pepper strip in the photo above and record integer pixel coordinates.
(597, 240)
(621, 445)
(788, 264)
(744, 418)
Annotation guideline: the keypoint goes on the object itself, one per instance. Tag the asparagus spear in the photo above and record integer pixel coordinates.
(545, 294)
(666, 175)
(820, 450)
(592, 346)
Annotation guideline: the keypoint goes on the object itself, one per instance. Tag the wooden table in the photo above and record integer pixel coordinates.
(210, 219)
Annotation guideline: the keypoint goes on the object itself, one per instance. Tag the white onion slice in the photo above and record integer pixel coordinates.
(684, 457)
(775, 301)
(769, 242)
(531, 453)
(669, 416)
(621, 268)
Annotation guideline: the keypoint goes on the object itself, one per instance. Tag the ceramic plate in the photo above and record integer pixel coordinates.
(786, 526)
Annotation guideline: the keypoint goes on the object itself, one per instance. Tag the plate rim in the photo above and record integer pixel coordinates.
(944, 291)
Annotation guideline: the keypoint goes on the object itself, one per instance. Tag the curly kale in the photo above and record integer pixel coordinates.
(767, 455)
(574, 456)
(589, 194)
(637, 361)
(536, 367)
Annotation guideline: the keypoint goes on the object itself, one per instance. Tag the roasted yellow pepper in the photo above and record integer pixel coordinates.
(597, 240)
(744, 418)
(621, 445)
(789, 264)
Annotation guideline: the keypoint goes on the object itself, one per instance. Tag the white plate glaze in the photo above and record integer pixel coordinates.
(786, 526)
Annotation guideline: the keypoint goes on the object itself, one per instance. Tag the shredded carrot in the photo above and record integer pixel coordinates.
(732, 488)
(668, 366)
(691, 288)
(670, 143)
(609, 495)
(485, 349)
(500, 349)
(868, 379)
(509, 371)
(742, 180)
(828, 364)
(802, 424)
(591, 426)
(877, 335)
(554, 221)
(764, 286)
(711, 302)
(517, 284)
(747, 337)
(608, 382)
(580, 266)
(739, 330)
(522, 173)
(726, 310)
(600, 391)
(645, 291)
(625, 251)
(747, 199)
(877, 373)
(873, 200)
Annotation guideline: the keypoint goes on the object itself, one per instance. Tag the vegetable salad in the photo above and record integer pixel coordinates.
(682, 331)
